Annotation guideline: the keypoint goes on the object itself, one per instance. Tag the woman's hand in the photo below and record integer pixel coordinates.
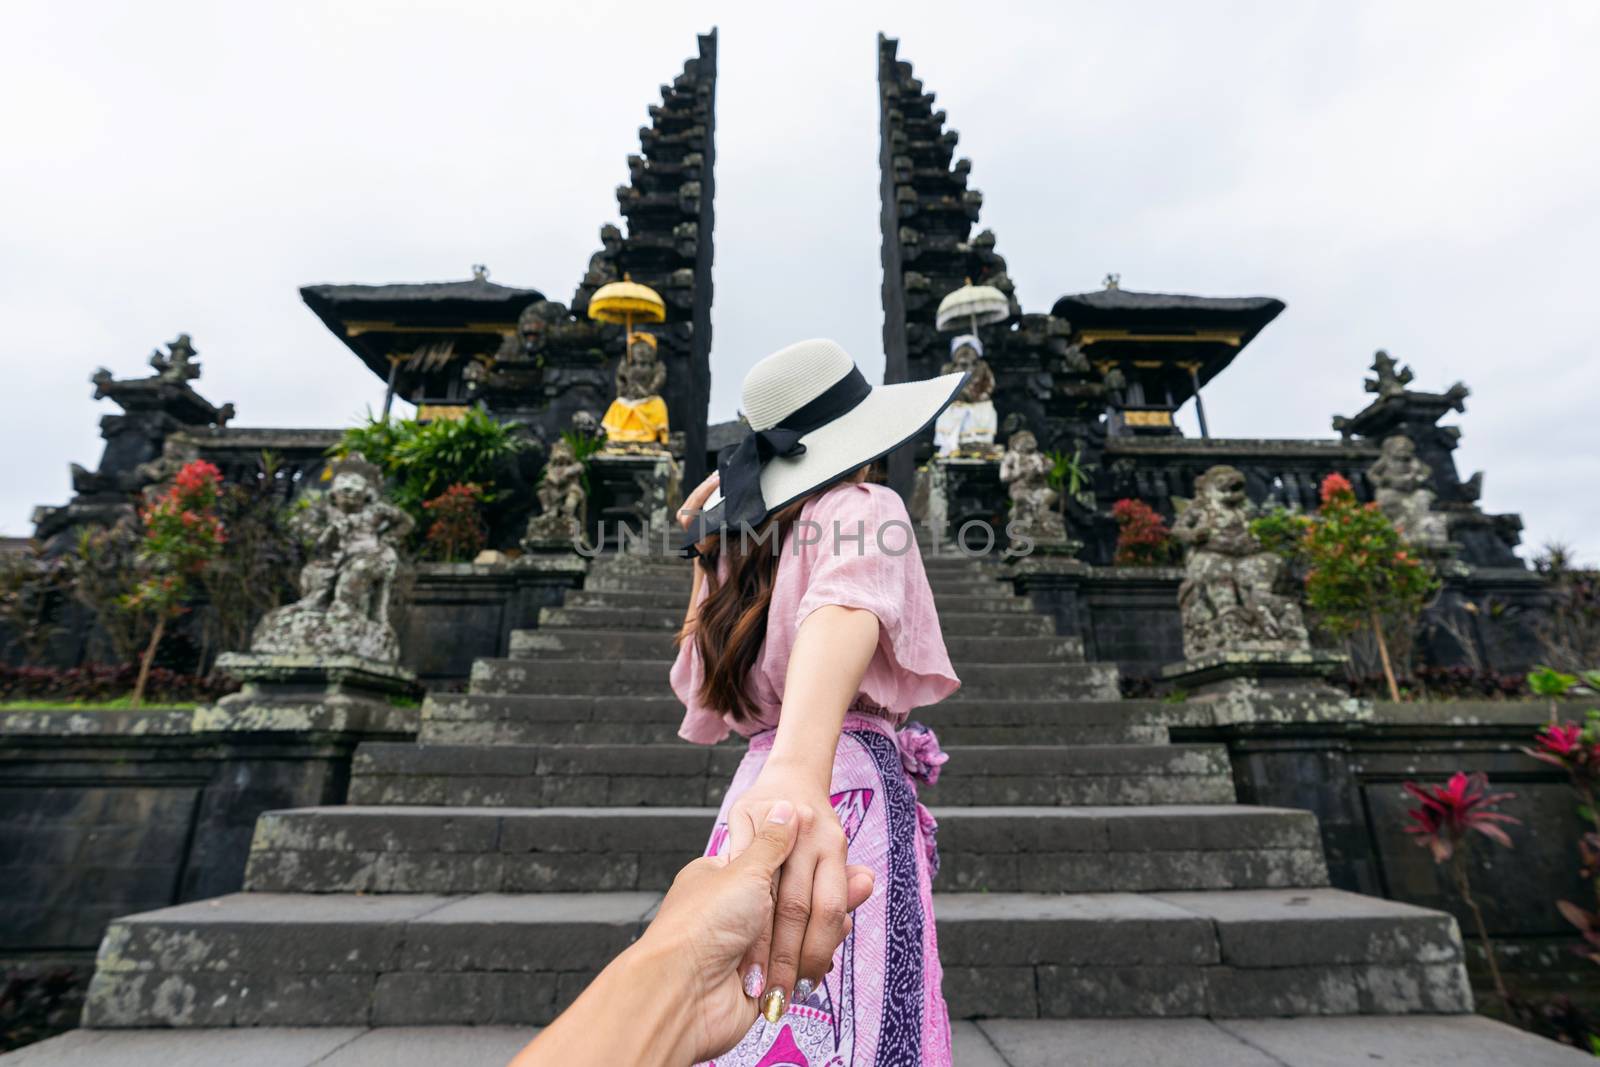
(815, 894)
(696, 501)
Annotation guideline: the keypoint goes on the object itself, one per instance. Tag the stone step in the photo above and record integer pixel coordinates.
(676, 583)
(267, 959)
(472, 718)
(572, 642)
(637, 677)
(951, 623)
(999, 603)
(682, 775)
(1456, 1040)
(998, 850)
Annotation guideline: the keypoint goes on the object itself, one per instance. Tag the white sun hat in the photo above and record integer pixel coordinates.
(814, 419)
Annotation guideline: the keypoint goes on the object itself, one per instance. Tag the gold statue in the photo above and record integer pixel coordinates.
(638, 416)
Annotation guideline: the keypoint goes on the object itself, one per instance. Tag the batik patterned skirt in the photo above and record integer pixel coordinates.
(881, 1004)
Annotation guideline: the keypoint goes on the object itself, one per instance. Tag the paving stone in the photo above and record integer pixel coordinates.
(1425, 1041)
(415, 1045)
(970, 1047)
(298, 1047)
(1119, 1042)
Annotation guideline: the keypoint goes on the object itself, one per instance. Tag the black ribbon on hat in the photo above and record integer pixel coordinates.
(739, 465)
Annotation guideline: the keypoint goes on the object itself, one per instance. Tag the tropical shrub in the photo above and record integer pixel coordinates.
(182, 533)
(33, 590)
(1069, 475)
(1357, 569)
(1575, 748)
(456, 531)
(1143, 538)
(1444, 824)
(260, 561)
(1570, 629)
(423, 459)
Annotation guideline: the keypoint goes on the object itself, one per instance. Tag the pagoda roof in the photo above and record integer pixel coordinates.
(1168, 311)
(372, 320)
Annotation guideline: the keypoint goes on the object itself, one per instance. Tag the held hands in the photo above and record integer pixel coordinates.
(815, 891)
(717, 908)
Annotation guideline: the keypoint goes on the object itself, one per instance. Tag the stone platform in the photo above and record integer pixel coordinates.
(1094, 869)
(1414, 1041)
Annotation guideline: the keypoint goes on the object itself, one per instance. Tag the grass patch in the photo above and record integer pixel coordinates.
(119, 704)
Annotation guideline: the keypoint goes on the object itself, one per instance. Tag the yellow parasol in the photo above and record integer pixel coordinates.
(622, 301)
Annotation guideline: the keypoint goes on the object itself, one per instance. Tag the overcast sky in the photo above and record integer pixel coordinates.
(1421, 177)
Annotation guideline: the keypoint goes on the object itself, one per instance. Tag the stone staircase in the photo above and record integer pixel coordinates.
(482, 876)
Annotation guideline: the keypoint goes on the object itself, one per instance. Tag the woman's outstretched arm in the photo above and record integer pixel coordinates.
(831, 652)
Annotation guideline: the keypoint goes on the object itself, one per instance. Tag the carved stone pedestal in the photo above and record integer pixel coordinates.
(321, 693)
(964, 490)
(1263, 687)
(636, 490)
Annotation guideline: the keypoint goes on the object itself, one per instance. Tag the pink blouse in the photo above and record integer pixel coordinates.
(858, 552)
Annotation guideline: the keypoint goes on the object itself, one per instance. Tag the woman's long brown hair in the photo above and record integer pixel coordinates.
(731, 623)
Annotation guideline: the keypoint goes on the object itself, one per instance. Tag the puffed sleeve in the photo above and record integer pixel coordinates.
(864, 555)
(700, 724)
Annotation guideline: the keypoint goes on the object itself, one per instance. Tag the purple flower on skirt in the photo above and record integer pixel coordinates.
(920, 753)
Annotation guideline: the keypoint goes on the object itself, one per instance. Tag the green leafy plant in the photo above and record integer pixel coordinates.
(1070, 476)
(457, 531)
(1357, 568)
(1143, 538)
(423, 459)
(182, 533)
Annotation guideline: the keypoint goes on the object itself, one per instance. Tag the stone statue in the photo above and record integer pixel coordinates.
(1026, 471)
(563, 503)
(1228, 600)
(343, 608)
(1400, 480)
(638, 416)
(177, 364)
(967, 427)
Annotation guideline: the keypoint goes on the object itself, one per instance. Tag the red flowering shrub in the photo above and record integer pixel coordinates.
(1357, 568)
(1142, 535)
(457, 531)
(182, 533)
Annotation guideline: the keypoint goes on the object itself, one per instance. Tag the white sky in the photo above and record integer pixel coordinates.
(1419, 176)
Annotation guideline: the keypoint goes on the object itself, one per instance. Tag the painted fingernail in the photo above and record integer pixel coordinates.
(780, 813)
(754, 981)
(772, 1005)
(802, 990)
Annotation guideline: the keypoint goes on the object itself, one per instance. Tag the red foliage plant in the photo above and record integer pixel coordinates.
(1449, 815)
(1451, 811)
(1143, 538)
(457, 531)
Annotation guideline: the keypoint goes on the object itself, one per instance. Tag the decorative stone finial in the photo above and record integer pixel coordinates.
(480, 272)
(1112, 280)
